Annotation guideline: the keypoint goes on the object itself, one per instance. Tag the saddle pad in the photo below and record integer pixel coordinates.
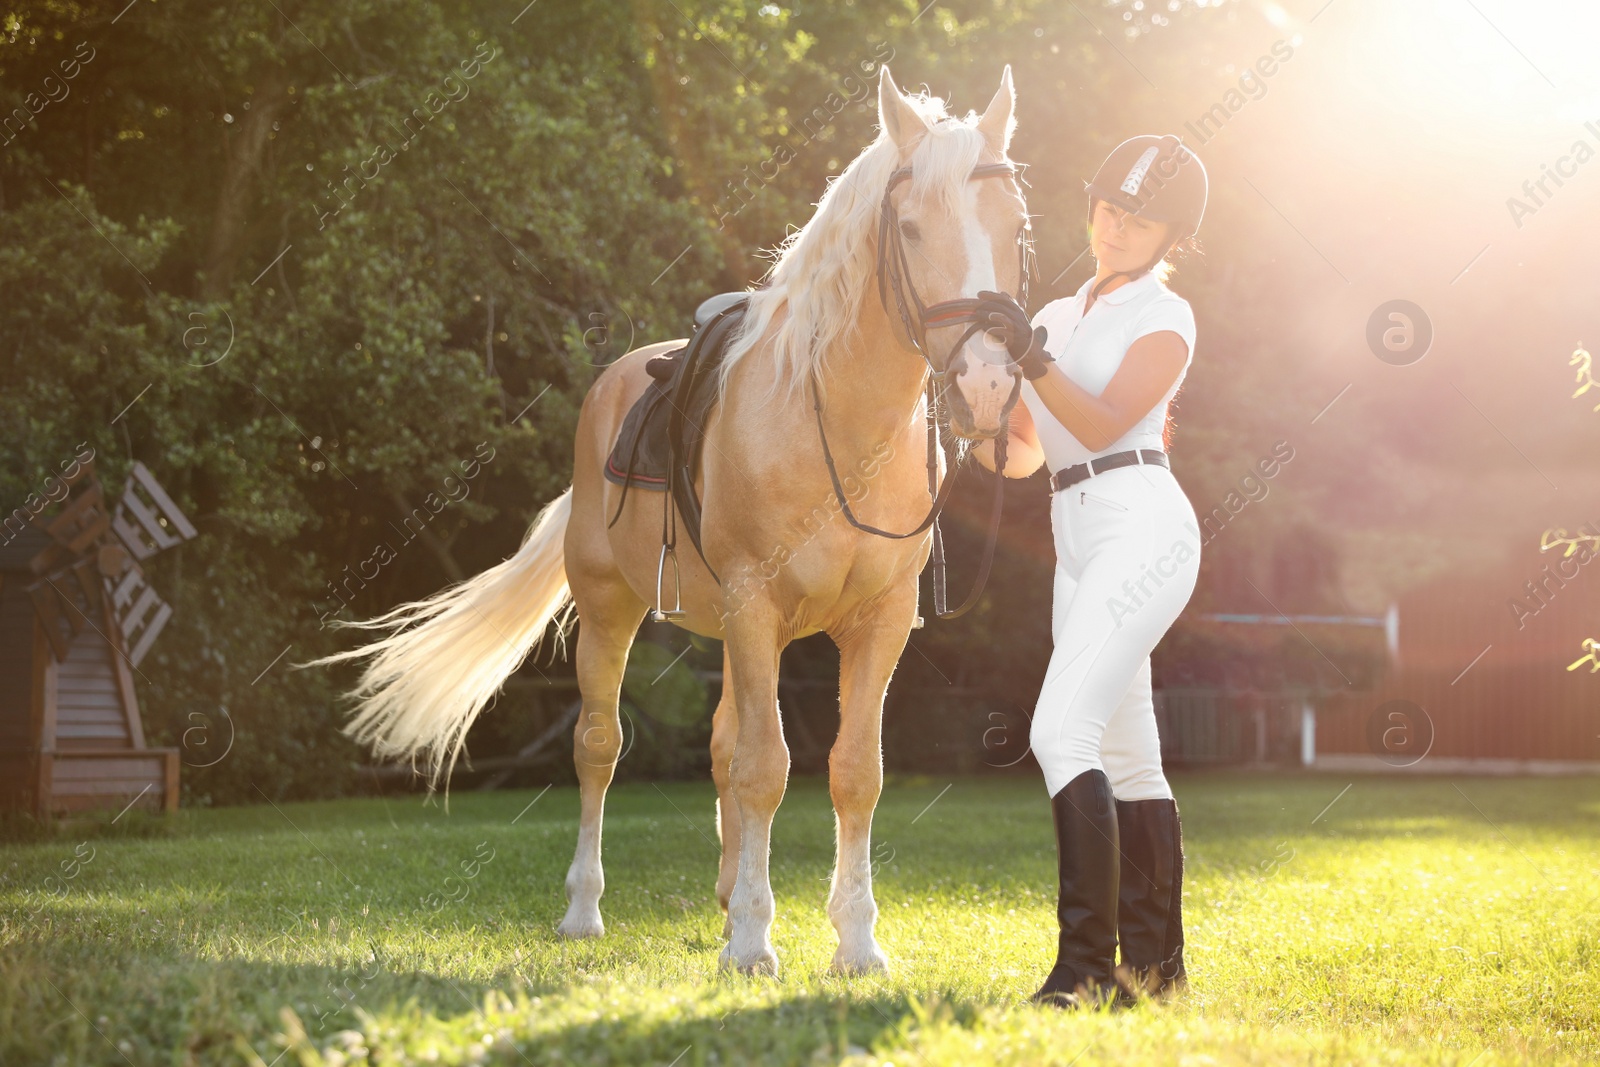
(641, 454)
(658, 445)
(685, 377)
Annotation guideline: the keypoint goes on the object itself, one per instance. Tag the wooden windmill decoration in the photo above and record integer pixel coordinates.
(77, 617)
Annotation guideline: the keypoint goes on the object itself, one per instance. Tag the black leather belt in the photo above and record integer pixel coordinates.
(1079, 471)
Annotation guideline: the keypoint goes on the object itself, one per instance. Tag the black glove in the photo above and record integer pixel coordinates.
(1001, 312)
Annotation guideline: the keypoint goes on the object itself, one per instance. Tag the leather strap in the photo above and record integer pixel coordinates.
(1100, 464)
(939, 493)
(894, 268)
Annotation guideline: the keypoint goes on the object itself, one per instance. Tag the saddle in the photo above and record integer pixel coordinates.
(659, 445)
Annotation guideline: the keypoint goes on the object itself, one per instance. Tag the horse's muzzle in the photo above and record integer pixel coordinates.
(980, 393)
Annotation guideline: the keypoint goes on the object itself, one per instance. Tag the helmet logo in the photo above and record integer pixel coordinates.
(1135, 178)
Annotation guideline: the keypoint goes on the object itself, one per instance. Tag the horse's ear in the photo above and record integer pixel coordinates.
(895, 112)
(999, 119)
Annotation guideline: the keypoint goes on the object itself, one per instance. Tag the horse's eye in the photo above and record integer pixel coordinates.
(909, 231)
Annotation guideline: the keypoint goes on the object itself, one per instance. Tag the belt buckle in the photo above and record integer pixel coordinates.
(1138, 454)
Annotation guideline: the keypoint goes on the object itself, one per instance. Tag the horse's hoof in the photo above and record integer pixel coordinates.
(764, 961)
(872, 961)
(579, 925)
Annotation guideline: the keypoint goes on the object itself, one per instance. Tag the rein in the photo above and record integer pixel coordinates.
(917, 318)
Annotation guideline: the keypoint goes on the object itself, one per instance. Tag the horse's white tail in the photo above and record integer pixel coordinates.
(445, 657)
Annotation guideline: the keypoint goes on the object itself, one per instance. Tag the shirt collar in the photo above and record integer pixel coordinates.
(1122, 292)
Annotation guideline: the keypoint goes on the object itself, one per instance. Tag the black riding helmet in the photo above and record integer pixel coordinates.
(1157, 178)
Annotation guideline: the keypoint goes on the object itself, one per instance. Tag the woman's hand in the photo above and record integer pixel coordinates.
(1001, 313)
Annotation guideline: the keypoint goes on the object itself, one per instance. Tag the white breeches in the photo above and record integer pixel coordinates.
(1127, 556)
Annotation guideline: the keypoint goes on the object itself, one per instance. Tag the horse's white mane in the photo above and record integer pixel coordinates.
(822, 271)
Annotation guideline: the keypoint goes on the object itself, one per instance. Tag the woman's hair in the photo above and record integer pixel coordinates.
(1184, 249)
(1180, 252)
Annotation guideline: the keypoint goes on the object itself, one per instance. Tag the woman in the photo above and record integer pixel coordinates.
(1100, 369)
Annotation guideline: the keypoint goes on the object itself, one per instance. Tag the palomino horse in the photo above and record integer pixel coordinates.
(815, 321)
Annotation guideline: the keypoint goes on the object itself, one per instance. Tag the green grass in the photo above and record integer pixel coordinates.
(1413, 921)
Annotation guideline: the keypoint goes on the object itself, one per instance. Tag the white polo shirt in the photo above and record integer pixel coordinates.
(1090, 348)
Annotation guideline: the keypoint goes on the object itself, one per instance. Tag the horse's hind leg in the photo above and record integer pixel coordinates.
(724, 733)
(609, 614)
(868, 652)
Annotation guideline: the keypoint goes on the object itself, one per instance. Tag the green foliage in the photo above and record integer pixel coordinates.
(668, 711)
(305, 262)
(657, 683)
(300, 407)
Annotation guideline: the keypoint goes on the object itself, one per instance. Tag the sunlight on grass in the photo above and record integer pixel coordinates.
(1412, 921)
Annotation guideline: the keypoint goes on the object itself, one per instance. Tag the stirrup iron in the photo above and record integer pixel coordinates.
(676, 612)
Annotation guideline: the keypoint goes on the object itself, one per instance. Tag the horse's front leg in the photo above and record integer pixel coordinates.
(757, 776)
(724, 736)
(869, 648)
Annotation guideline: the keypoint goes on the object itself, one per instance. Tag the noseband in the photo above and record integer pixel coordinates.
(894, 270)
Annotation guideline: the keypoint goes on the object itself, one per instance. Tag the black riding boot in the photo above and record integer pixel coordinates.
(1086, 844)
(1150, 901)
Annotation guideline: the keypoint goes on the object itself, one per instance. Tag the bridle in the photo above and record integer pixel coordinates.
(917, 318)
(893, 269)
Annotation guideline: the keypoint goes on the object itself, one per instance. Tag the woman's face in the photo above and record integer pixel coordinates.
(1124, 242)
